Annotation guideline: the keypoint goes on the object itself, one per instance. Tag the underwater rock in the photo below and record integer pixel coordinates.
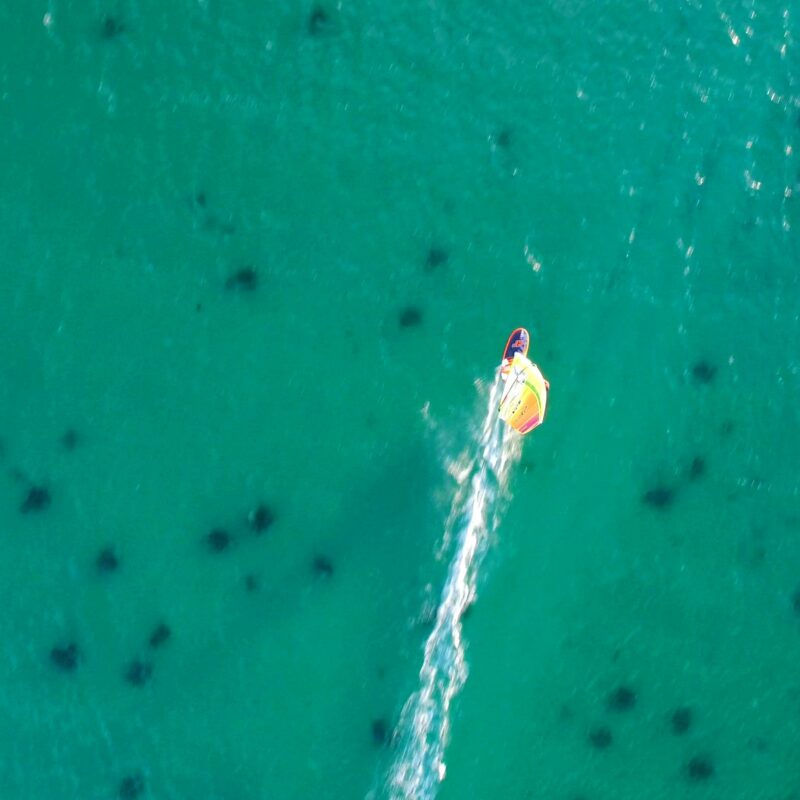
(318, 21)
(322, 566)
(245, 279)
(138, 672)
(600, 737)
(623, 698)
(37, 499)
(660, 497)
(410, 317)
(681, 720)
(218, 540)
(437, 257)
(699, 769)
(697, 468)
(107, 560)
(111, 27)
(796, 601)
(131, 787)
(261, 518)
(200, 199)
(65, 658)
(703, 372)
(70, 439)
(380, 732)
(160, 635)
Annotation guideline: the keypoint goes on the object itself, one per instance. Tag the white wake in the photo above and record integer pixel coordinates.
(474, 515)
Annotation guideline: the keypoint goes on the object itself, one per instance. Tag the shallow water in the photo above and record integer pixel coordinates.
(620, 178)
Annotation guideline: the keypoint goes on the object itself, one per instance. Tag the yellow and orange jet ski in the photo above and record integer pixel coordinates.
(525, 395)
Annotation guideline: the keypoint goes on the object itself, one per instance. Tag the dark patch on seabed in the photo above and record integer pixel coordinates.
(245, 279)
(261, 518)
(138, 672)
(160, 635)
(796, 601)
(660, 497)
(131, 787)
(697, 468)
(218, 540)
(600, 737)
(66, 658)
(410, 317)
(703, 372)
(380, 732)
(70, 439)
(318, 21)
(210, 222)
(251, 583)
(623, 698)
(107, 561)
(437, 257)
(663, 496)
(681, 720)
(503, 138)
(111, 28)
(322, 566)
(37, 499)
(700, 768)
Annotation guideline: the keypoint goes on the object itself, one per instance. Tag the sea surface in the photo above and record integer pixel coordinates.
(258, 262)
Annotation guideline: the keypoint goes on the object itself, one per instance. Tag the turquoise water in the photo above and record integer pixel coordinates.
(619, 177)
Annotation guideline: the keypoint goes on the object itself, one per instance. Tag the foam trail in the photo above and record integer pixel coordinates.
(474, 515)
